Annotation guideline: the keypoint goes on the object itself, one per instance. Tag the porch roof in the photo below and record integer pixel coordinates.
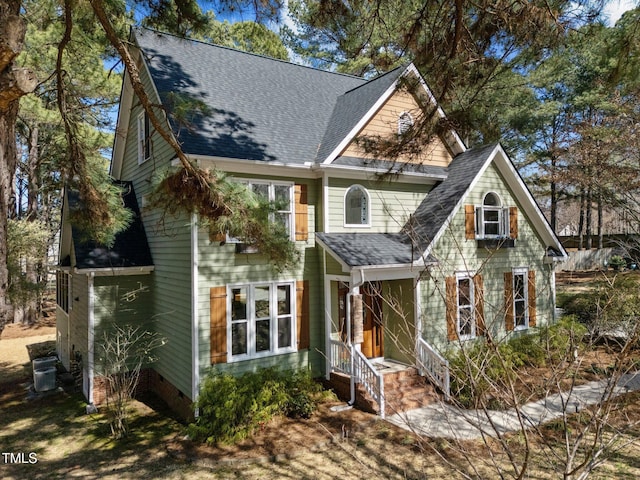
(370, 249)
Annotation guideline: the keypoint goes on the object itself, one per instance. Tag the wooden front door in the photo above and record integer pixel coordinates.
(372, 342)
(372, 345)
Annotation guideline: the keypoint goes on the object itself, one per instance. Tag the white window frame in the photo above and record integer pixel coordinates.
(66, 278)
(363, 224)
(144, 149)
(405, 122)
(524, 273)
(272, 184)
(503, 219)
(471, 307)
(251, 320)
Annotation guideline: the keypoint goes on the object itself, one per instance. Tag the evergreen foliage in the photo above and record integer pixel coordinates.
(226, 207)
(232, 408)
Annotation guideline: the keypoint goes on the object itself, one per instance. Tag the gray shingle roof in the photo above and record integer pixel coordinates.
(432, 214)
(259, 108)
(130, 248)
(368, 249)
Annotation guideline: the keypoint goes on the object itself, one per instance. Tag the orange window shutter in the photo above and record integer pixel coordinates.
(302, 212)
(302, 314)
(469, 222)
(532, 297)
(509, 321)
(513, 222)
(451, 308)
(478, 291)
(218, 322)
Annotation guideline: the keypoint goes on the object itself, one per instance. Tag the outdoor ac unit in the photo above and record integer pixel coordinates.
(44, 379)
(44, 362)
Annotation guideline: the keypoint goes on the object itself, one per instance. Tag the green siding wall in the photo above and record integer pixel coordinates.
(169, 241)
(455, 253)
(391, 203)
(79, 316)
(219, 265)
(122, 300)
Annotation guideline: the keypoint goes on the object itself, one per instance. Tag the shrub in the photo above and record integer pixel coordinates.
(482, 371)
(232, 408)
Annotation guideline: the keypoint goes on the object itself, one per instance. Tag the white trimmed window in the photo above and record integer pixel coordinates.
(356, 207)
(405, 123)
(492, 219)
(520, 298)
(63, 290)
(466, 321)
(261, 320)
(144, 150)
(282, 196)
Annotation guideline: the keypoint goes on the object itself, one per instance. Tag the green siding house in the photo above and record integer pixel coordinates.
(400, 259)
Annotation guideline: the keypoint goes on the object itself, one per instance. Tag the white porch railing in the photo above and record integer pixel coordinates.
(350, 361)
(366, 374)
(340, 357)
(431, 363)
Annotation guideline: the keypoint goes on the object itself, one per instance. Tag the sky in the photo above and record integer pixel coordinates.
(616, 8)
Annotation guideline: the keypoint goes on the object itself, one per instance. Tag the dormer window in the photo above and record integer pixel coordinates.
(493, 224)
(405, 123)
(356, 206)
(491, 218)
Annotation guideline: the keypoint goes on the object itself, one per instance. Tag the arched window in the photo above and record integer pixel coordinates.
(492, 215)
(356, 206)
(405, 122)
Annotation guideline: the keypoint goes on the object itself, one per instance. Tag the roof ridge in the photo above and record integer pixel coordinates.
(376, 78)
(266, 57)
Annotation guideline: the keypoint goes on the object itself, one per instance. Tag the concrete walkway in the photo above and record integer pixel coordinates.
(441, 420)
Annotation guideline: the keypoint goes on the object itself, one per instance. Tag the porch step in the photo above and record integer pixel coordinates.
(403, 390)
(406, 390)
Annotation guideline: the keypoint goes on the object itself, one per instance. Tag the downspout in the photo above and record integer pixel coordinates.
(327, 317)
(195, 337)
(90, 335)
(352, 377)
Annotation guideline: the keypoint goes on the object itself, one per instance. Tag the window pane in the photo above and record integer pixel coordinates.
(518, 287)
(263, 335)
(521, 313)
(490, 215)
(239, 338)
(284, 219)
(491, 229)
(239, 303)
(261, 190)
(284, 299)
(284, 332)
(466, 321)
(262, 301)
(464, 291)
(356, 208)
(282, 196)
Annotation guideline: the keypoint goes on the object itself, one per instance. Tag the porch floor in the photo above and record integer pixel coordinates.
(387, 366)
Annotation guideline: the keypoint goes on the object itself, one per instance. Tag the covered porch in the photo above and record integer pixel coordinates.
(372, 321)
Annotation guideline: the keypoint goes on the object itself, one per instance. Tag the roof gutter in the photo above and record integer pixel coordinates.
(115, 271)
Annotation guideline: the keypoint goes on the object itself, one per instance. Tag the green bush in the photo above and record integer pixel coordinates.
(232, 408)
(482, 371)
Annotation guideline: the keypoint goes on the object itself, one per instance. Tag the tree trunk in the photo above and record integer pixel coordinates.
(32, 306)
(14, 83)
(600, 232)
(589, 227)
(554, 195)
(581, 221)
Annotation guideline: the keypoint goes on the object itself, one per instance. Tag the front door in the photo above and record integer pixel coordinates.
(372, 345)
